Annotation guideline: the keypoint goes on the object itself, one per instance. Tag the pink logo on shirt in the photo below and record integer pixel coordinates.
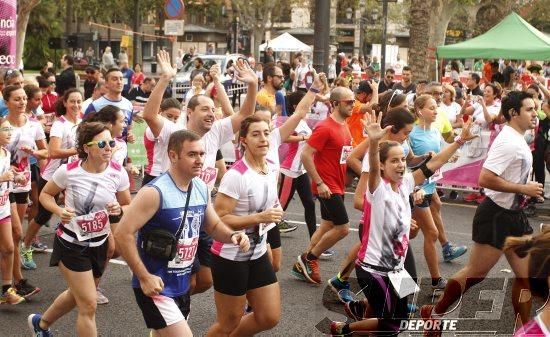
(400, 247)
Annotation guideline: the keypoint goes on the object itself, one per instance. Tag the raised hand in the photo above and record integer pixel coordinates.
(372, 126)
(244, 73)
(466, 133)
(167, 71)
(319, 79)
(215, 72)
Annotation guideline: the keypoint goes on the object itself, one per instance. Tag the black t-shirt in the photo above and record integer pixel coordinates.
(89, 87)
(411, 88)
(507, 74)
(136, 94)
(383, 87)
(475, 91)
(497, 78)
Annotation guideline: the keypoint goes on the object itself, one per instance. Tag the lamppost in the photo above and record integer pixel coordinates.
(384, 33)
(235, 40)
(321, 44)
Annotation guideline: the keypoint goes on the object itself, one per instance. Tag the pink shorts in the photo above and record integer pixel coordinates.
(5, 220)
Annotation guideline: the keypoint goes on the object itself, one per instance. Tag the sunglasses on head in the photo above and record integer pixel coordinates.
(102, 143)
(11, 73)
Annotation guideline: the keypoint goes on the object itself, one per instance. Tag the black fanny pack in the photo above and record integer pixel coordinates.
(160, 243)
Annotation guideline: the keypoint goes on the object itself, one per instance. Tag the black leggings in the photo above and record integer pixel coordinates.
(302, 185)
(539, 168)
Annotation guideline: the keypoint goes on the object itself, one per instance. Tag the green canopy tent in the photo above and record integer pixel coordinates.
(512, 38)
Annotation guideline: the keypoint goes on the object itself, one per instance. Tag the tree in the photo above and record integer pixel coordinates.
(258, 16)
(24, 8)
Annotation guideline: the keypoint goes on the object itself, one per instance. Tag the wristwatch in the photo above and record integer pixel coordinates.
(315, 90)
(319, 184)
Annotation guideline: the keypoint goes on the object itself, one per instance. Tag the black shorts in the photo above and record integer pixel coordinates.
(235, 278)
(383, 300)
(43, 215)
(203, 250)
(219, 155)
(334, 210)
(20, 198)
(162, 311)
(492, 224)
(274, 237)
(426, 202)
(79, 258)
(35, 172)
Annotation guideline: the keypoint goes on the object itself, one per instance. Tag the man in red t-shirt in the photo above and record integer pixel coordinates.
(324, 158)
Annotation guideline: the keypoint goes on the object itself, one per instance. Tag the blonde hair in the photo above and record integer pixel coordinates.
(421, 101)
(451, 89)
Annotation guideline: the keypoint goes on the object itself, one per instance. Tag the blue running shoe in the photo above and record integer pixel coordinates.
(452, 252)
(27, 262)
(34, 325)
(341, 289)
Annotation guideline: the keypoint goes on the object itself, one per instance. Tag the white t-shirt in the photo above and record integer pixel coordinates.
(66, 131)
(510, 158)
(88, 194)
(386, 223)
(319, 112)
(452, 110)
(274, 144)
(27, 135)
(5, 186)
(121, 151)
(157, 148)
(254, 193)
(292, 164)
(220, 133)
(479, 117)
(190, 93)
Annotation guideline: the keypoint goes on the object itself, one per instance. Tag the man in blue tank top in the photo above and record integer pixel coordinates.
(177, 202)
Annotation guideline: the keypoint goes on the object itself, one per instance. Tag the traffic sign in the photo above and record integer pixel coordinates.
(173, 27)
(174, 9)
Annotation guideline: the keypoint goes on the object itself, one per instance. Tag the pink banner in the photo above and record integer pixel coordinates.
(8, 29)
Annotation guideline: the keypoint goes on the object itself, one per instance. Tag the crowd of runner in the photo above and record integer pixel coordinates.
(197, 222)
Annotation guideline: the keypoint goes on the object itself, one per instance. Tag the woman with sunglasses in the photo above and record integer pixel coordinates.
(247, 201)
(62, 150)
(27, 140)
(95, 188)
(114, 118)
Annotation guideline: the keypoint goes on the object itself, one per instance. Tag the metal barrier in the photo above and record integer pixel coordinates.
(179, 90)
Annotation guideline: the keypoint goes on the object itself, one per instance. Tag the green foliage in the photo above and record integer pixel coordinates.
(45, 21)
(537, 13)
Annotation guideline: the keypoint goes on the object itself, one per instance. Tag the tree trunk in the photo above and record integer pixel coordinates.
(259, 35)
(419, 39)
(443, 10)
(24, 8)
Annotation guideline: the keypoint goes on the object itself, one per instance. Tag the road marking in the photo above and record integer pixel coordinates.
(110, 261)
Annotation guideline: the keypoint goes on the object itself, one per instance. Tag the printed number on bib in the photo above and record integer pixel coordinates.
(346, 151)
(208, 175)
(185, 254)
(91, 225)
(5, 197)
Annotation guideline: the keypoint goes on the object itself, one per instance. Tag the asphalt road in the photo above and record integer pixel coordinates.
(305, 307)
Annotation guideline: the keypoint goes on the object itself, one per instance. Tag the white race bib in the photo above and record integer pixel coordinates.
(402, 283)
(346, 151)
(186, 250)
(90, 225)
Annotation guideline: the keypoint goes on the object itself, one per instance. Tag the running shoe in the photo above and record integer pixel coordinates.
(327, 254)
(27, 262)
(101, 298)
(25, 289)
(441, 284)
(341, 289)
(11, 297)
(296, 271)
(453, 252)
(285, 227)
(453, 195)
(336, 329)
(426, 315)
(356, 310)
(34, 325)
(310, 269)
(38, 246)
